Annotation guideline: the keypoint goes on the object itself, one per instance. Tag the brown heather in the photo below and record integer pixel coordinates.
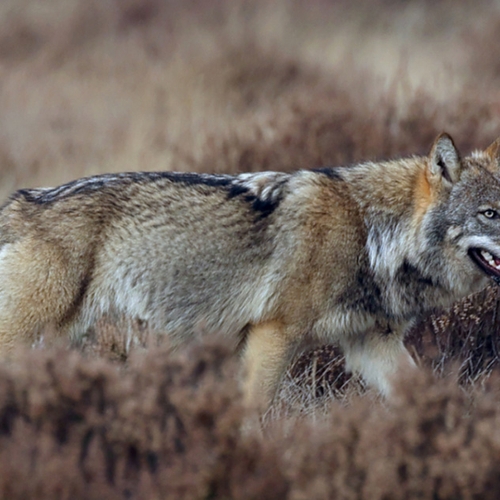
(169, 426)
(92, 86)
(164, 427)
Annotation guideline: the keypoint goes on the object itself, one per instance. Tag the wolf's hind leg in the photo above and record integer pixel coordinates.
(37, 288)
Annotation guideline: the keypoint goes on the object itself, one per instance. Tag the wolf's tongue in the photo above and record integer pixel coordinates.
(497, 261)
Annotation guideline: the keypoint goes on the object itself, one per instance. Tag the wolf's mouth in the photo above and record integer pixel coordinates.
(489, 263)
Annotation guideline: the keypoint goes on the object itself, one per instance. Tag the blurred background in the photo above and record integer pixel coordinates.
(90, 86)
(93, 86)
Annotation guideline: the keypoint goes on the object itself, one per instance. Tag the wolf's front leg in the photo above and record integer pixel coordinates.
(377, 356)
(266, 356)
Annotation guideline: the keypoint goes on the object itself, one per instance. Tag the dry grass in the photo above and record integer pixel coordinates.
(226, 86)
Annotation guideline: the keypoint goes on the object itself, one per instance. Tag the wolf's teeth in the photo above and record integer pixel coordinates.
(487, 255)
(490, 259)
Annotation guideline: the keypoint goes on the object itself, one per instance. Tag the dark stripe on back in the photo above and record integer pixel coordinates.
(331, 172)
(88, 185)
(263, 207)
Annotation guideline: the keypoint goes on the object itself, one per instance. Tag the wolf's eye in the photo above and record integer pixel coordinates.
(490, 214)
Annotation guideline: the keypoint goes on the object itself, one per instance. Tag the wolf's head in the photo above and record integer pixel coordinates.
(465, 217)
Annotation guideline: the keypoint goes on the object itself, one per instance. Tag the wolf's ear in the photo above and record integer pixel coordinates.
(493, 151)
(444, 161)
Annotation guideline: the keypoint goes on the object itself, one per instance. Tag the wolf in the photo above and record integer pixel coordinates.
(274, 261)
